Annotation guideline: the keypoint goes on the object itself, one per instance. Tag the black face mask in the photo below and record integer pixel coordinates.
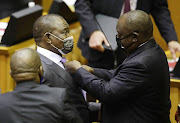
(118, 40)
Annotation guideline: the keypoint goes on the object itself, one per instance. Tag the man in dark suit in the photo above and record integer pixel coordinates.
(51, 34)
(31, 102)
(91, 38)
(138, 90)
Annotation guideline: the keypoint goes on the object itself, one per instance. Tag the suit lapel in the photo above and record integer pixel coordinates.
(139, 4)
(119, 6)
(58, 70)
(62, 73)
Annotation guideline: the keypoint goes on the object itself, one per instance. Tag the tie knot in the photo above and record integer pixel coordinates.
(63, 60)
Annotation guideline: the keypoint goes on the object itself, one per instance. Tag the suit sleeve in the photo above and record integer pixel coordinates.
(70, 113)
(86, 17)
(161, 15)
(103, 73)
(126, 84)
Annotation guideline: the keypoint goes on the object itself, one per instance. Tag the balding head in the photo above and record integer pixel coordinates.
(49, 31)
(138, 25)
(136, 21)
(26, 65)
(47, 23)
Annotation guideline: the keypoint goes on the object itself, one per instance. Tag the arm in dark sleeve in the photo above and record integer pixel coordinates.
(126, 84)
(161, 15)
(86, 17)
(103, 73)
(70, 113)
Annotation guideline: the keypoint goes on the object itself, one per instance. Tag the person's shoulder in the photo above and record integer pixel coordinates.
(6, 94)
(55, 90)
(6, 97)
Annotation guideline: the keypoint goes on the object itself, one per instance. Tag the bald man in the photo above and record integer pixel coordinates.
(138, 90)
(31, 102)
(51, 34)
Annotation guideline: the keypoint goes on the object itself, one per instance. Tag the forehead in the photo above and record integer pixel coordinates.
(61, 25)
(121, 25)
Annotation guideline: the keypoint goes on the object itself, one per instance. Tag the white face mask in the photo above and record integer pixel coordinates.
(67, 42)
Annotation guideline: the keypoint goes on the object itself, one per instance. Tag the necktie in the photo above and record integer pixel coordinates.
(127, 7)
(63, 60)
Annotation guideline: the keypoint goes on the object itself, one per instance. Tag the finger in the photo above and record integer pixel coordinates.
(178, 49)
(106, 42)
(100, 48)
(173, 54)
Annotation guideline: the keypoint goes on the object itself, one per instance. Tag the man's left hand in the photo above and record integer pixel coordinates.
(174, 47)
(72, 66)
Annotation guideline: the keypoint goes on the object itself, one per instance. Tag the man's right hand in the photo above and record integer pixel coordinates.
(96, 40)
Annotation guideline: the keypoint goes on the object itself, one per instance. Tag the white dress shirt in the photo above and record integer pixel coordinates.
(50, 55)
(133, 5)
(55, 58)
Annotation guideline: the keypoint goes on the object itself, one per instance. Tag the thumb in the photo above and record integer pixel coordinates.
(106, 42)
(101, 48)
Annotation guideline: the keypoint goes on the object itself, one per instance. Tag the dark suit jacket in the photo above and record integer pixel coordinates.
(34, 103)
(86, 9)
(55, 76)
(137, 91)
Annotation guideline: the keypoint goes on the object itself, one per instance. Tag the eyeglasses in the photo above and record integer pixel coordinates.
(119, 39)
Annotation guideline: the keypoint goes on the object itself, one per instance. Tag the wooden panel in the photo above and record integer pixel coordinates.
(174, 96)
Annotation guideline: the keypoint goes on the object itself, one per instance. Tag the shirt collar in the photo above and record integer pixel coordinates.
(142, 44)
(49, 54)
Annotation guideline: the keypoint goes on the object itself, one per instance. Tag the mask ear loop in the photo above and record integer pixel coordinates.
(54, 36)
(64, 41)
(49, 41)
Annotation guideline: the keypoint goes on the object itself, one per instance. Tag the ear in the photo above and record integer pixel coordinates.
(136, 36)
(10, 72)
(46, 37)
(48, 41)
(41, 71)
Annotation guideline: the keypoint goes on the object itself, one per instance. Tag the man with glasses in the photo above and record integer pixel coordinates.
(51, 34)
(138, 90)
